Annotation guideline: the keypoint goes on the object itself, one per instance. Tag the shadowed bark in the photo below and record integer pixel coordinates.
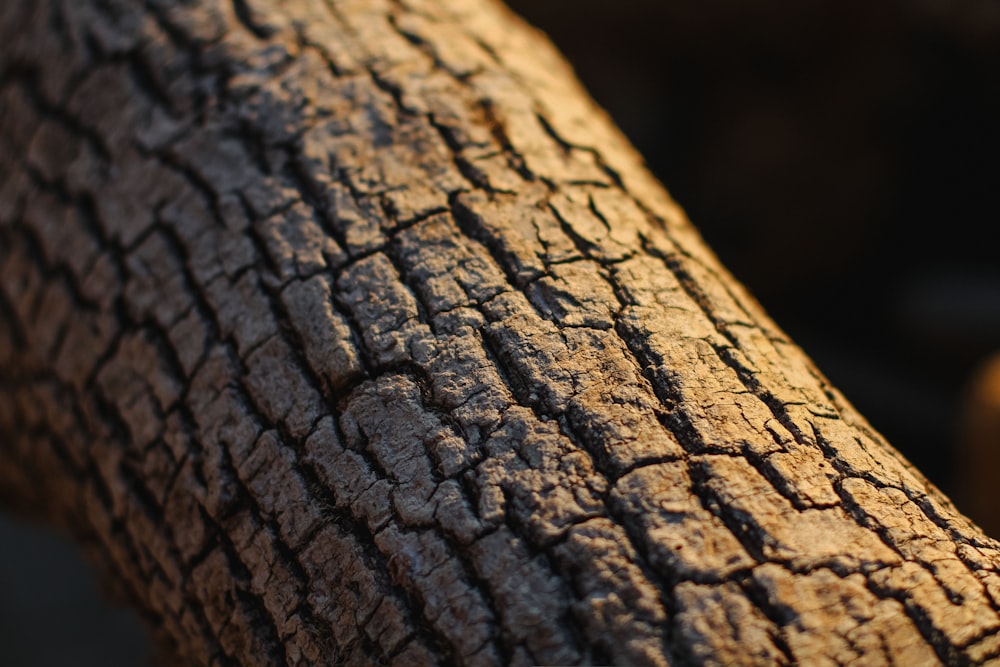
(352, 332)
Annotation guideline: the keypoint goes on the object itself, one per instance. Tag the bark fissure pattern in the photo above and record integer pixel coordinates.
(350, 332)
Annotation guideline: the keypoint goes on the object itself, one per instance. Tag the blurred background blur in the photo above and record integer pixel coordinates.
(52, 613)
(843, 159)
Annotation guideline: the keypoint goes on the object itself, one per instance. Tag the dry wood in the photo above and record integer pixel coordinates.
(352, 332)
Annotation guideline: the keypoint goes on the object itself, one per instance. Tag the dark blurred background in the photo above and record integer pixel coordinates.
(843, 159)
(52, 613)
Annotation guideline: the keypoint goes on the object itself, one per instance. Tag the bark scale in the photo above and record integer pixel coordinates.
(352, 332)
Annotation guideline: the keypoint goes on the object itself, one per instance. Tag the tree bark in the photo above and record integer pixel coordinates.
(351, 332)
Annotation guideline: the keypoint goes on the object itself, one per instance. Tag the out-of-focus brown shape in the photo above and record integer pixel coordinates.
(980, 448)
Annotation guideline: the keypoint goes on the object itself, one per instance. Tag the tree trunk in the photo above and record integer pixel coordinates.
(350, 332)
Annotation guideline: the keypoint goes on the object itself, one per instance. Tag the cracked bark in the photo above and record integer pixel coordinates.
(352, 332)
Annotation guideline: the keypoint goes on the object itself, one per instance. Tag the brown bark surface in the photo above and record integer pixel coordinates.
(351, 332)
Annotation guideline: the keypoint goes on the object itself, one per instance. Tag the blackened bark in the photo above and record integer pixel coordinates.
(351, 332)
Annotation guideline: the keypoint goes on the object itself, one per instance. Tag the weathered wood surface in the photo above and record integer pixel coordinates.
(352, 332)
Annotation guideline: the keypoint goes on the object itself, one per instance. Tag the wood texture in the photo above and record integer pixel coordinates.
(351, 332)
